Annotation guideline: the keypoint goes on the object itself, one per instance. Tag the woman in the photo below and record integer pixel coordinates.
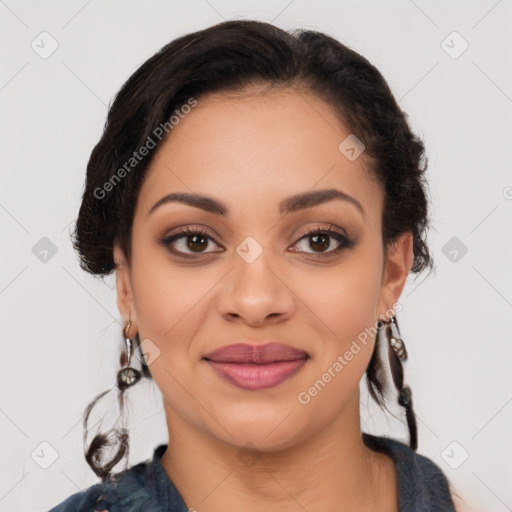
(261, 199)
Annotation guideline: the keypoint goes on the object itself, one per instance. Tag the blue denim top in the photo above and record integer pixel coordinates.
(146, 487)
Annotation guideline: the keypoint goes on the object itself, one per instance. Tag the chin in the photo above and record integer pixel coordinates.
(271, 434)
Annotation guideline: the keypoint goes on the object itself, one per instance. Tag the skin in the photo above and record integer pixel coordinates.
(251, 152)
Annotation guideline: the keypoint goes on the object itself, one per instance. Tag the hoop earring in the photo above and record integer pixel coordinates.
(127, 376)
(396, 354)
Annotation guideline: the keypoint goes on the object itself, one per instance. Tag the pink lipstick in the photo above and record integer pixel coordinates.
(256, 367)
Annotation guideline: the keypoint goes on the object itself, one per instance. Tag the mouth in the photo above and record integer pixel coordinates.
(254, 367)
(254, 376)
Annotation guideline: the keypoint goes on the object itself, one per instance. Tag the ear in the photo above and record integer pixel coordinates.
(398, 266)
(125, 301)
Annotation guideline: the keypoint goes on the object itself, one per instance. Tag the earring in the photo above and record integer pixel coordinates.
(397, 343)
(396, 354)
(108, 448)
(127, 376)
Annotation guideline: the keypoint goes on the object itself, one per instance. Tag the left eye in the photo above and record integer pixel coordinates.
(321, 242)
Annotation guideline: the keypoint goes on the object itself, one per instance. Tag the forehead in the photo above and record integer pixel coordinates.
(256, 149)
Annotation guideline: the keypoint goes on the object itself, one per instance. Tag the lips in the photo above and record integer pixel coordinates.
(254, 367)
(256, 354)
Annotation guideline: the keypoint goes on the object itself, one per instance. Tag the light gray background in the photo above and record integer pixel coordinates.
(60, 328)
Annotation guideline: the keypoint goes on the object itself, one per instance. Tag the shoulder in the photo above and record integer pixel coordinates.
(460, 504)
(435, 476)
(408, 463)
(82, 501)
(101, 495)
(422, 485)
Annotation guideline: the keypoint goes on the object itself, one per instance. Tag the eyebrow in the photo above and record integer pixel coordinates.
(289, 205)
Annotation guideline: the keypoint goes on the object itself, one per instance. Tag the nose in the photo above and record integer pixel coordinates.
(256, 293)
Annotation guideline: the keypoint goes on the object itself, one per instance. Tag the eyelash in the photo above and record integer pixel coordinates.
(345, 243)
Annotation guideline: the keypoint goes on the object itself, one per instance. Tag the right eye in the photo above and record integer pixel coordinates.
(187, 239)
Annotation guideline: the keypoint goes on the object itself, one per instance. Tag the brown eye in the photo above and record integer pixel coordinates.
(189, 241)
(324, 242)
(319, 242)
(197, 243)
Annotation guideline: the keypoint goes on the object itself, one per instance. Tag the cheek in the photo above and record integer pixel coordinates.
(342, 300)
(342, 309)
(165, 295)
(171, 305)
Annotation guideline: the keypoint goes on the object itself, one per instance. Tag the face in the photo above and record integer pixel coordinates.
(261, 263)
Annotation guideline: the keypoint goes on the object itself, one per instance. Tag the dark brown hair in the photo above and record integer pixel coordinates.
(232, 56)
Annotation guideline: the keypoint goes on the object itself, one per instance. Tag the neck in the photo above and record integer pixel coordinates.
(331, 471)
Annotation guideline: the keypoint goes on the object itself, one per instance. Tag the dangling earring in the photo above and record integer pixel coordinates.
(115, 441)
(397, 343)
(127, 376)
(396, 354)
